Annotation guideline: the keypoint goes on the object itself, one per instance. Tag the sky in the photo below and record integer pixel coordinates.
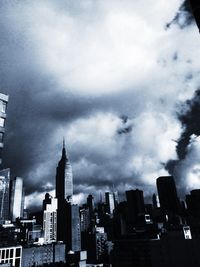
(118, 79)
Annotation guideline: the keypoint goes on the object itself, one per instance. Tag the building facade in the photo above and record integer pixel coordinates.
(110, 202)
(4, 195)
(166, 187)
(50, 221)
(11, 255)
(17, 198)
(3, 108)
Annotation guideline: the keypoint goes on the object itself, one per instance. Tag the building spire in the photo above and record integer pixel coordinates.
(63, 149)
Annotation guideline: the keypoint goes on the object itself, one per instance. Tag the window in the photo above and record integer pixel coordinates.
(2, 121)
(17, 262)
(2, 106)
(18, 252)
(11, 253)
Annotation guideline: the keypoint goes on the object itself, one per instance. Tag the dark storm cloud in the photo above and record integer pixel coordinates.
(189, 114)
(190, 120)
(184, 16)
(75, 69)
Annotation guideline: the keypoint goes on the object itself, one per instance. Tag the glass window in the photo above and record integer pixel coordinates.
(11, 253)
(1, 137)
(17, 262)
(3, 109)
(18, 252)
(2, 121)
(3, 106)
(3, 254)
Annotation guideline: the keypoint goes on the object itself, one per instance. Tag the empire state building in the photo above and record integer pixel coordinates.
(64, 179)
(64, 193)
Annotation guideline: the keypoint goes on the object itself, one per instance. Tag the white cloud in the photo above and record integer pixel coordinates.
(104, 157)
(188, 170)
(102, 48)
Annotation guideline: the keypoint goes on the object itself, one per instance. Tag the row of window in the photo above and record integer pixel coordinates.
(10, 253)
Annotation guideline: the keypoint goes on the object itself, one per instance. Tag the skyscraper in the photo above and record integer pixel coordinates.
(3, 108)
(73, 228)
(4, 195)
(17, 198)
(50, 220)
(135, 203)
(90, 204)
(68, 219)
(110, 203)
(167, 193)
(64, 178)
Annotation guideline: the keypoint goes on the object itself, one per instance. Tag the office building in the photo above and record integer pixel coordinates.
(193, 203)
(84, 219)
(3, 108)
(17, 198)
(110, 203)
(136, 207)
(64, 179)
(116, 198)
(167, 193)
(50, 221)
(64, 193)
(43, 255)
(4, 195)
(90, 204)
(73, 228)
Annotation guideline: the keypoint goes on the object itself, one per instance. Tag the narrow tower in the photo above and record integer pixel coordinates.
(64, 178)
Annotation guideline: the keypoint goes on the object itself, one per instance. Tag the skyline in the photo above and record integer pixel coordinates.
(128, 107)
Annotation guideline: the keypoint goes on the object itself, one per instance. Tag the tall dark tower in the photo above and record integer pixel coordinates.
(64, 178)
(64, 192)
(169, 201)
(135, 203)
(68, 220)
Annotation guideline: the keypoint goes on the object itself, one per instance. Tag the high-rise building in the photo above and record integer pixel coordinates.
(64, 192)
(3, 108)
(84, 219)
(154, 201)
(4, 195)
(64, 178)
(50, 221)
(68, 218)
(167, 193)
(90, 204)
(116, 198)
(73, 228)
(17, 198)
(110, 203)
(135, 204)
(193, 203)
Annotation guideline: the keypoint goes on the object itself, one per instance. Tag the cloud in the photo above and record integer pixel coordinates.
(102, 157)
(188, 169)
(105, 74)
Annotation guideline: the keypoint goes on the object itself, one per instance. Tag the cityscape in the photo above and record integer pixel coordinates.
(117, 221)
(164, 232)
